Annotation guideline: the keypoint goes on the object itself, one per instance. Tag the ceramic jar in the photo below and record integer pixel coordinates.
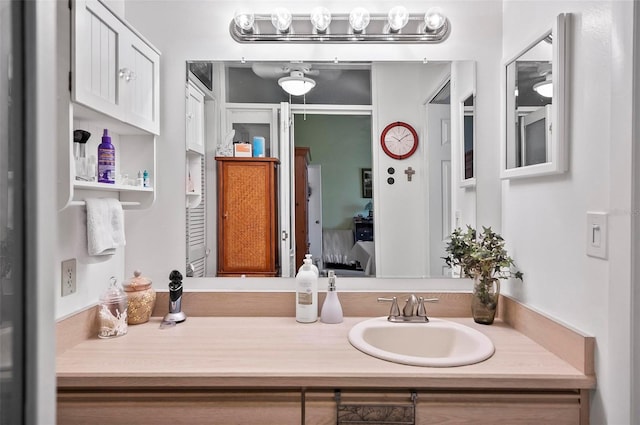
(142, 298)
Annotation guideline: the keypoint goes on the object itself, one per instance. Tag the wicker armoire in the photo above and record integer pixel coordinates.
(247, 216)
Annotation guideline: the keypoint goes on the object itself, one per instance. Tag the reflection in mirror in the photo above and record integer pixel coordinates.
(326, 158)
(468, 141)
(535, 96)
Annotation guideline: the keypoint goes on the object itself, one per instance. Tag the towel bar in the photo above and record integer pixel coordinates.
(124, 204)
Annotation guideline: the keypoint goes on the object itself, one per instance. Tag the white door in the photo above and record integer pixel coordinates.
(439, 164)
(287, 212)
(142, 85)
(314, 173)
(96, 50)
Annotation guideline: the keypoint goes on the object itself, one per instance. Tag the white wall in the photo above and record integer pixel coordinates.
(544, 219)
(400, 92)
(200, 32)
(463, 74)
(92, 273)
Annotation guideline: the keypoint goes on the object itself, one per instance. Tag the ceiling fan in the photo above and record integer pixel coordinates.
(292, 77)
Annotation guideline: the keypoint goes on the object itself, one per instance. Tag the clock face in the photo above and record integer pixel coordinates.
(399, 140)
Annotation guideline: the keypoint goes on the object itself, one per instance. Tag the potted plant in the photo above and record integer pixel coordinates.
(483, 258)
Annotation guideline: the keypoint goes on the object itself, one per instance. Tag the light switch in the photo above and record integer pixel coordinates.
(597, 234)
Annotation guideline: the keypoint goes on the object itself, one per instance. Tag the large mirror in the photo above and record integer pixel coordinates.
(366, 214)
(535, 95)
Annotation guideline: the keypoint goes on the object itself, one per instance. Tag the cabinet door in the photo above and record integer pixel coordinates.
(246, 217)
(195, 119)
(97, 47)
(142, 86)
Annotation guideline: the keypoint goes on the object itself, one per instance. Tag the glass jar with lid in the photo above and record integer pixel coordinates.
(141, 297)
(112, 314)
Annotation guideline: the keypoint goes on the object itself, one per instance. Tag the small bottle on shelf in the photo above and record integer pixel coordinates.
(106, 160)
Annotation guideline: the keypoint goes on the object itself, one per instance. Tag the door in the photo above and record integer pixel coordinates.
(439, 165)
(97, 50)
(286, 182)
(142, 84)
(314, 175)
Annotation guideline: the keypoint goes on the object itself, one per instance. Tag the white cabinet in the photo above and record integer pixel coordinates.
(194, 119)
(115, 86)
(114, 70)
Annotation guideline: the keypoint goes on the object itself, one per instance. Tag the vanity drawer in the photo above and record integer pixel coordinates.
(188, 407)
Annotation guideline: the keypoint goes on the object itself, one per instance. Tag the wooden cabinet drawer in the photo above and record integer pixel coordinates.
(181, 407)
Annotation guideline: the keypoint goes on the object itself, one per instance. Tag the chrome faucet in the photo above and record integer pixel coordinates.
(413, 311)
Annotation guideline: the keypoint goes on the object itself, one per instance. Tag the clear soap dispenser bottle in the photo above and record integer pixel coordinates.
(331, 309)
(307, 293)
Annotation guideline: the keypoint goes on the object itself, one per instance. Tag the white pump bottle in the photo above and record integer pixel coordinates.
(331, 308)
(307, 293)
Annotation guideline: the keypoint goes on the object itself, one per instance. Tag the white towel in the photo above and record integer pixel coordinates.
(105, 226)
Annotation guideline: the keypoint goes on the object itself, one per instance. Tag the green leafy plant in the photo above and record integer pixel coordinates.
(483, 256)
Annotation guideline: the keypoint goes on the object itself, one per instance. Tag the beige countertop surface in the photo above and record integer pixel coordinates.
(278, 352)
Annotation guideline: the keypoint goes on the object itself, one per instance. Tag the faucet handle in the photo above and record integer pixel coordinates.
(422, 311)
(395, 311)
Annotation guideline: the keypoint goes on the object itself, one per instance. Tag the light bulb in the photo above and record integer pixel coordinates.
(434, 19)
(244, 20)
(398, 17)
(320, 18)
(359, 19)
(281, 19)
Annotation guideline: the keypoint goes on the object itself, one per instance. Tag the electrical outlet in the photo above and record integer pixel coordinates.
(68, 283)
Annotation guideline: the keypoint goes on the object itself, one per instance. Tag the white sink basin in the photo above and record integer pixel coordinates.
(439, 343)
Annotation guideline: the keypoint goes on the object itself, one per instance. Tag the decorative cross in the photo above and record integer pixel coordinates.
(409, 172)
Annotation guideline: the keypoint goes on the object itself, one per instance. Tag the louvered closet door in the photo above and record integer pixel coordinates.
(197, 231)
(246, 217)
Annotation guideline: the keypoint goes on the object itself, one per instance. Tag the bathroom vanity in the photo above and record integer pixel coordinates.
(272, 370)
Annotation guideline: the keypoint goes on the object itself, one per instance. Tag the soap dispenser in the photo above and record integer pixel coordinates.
(313, 266)
(331, 309)
(307, 293)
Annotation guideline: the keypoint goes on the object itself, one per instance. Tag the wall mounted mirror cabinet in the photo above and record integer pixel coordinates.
(321, 143)
(535, 141)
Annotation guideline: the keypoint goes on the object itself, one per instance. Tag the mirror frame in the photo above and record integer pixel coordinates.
(558, 152)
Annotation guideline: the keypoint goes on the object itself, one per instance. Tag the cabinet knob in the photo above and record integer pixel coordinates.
(127, 74)
(225, 215)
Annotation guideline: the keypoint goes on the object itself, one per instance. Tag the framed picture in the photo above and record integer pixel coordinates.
(366, 182)
(203, 72)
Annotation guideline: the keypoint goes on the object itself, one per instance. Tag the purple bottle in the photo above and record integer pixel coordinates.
(106, 160)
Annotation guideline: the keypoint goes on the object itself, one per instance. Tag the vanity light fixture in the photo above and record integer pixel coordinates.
(359, 19)
(544, 88)
(296, 84)
(244, 20)
(398, 17)
(357, 26)
(434, 19)
(320, 19)
(281, 19)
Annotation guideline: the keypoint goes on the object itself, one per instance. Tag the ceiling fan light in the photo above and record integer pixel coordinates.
(359, 19)
(320, 19)
(434, 19)
(296, 84)
(244, 20)
(544, 88)
(398, 17)
(281, 19)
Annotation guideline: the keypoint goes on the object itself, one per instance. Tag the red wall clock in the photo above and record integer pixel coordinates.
(399, 140)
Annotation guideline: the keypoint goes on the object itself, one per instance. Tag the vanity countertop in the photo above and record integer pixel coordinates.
(278, 352)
